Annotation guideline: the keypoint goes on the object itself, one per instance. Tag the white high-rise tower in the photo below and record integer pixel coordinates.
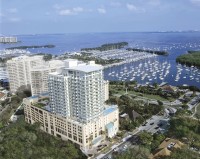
(77, 91)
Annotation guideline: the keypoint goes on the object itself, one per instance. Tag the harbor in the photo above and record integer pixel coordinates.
(153, 70)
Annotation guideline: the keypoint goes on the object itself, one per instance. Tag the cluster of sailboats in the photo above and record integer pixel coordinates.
(149, 70)
(191, 73)
(168, 46)
(125, 55)
(152, 70)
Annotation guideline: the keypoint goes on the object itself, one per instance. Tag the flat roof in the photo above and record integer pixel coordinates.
(86, 68)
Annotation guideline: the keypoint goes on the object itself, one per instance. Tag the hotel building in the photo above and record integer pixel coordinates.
(76, 110)
(31, 71)
(8, 39)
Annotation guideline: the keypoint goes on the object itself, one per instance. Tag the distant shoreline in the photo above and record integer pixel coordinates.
(30, 47)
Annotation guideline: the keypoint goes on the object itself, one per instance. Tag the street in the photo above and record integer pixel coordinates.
(152, 125)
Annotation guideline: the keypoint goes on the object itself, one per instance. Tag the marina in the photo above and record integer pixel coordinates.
(144, 68)
(125, 55)
(15, 52)
(152, 70)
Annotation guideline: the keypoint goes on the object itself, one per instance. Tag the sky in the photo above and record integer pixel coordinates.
(85, 16)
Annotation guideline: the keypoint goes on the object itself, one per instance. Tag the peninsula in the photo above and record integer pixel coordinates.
(192, 58)
(149, 51)
(31, 47)
(109, 46)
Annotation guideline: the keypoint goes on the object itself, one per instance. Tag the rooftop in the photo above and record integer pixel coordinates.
(164, 148)
(109, 110)
(25, 57)
(86, 68)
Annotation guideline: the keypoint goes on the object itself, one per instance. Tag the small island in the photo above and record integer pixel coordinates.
(192, 58)
(149, 51)
(109, 46)
(31, 47)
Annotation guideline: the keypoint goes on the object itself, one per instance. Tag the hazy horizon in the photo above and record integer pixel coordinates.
(85, 16)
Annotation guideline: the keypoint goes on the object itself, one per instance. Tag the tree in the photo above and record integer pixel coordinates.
(21, 140)
(185, 106)
(145, 138)
(160, 102)
(47, 57)
(155, 85)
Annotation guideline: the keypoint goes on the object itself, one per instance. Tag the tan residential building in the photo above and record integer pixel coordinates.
(31, 71)
(166, 147)
(19, 69)
(83, 134)
(39, 76)
(8, 39)
(75, 110)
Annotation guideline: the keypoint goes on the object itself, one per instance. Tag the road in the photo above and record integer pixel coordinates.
(121, 147)
(150, 126)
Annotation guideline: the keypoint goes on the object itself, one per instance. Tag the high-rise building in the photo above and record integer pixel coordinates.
(30, 71)
(76, 110)
(77, 91)
(19, 70)
(39, 76)
(8, 39)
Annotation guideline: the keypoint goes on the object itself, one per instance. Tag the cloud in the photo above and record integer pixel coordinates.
(132, 7)
(15, 19)
(66, 12)
(196, 2)
(73, 11)
(78, 9)
(101, 10)
(12, 10)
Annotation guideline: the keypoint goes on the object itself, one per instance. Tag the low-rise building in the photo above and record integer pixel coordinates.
(165, 148)
(83, 134)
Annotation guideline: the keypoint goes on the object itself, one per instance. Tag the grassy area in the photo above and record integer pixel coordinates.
(197, 115)
(149, 96)
(39, 105)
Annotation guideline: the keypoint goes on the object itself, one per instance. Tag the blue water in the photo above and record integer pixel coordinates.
(175, 43)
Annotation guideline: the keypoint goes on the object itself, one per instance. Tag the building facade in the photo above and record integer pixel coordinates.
(39, 76)
(76, 110)
(19, 69)
(30, 71)
(8, 39)
(83, 134)
(77, 91)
